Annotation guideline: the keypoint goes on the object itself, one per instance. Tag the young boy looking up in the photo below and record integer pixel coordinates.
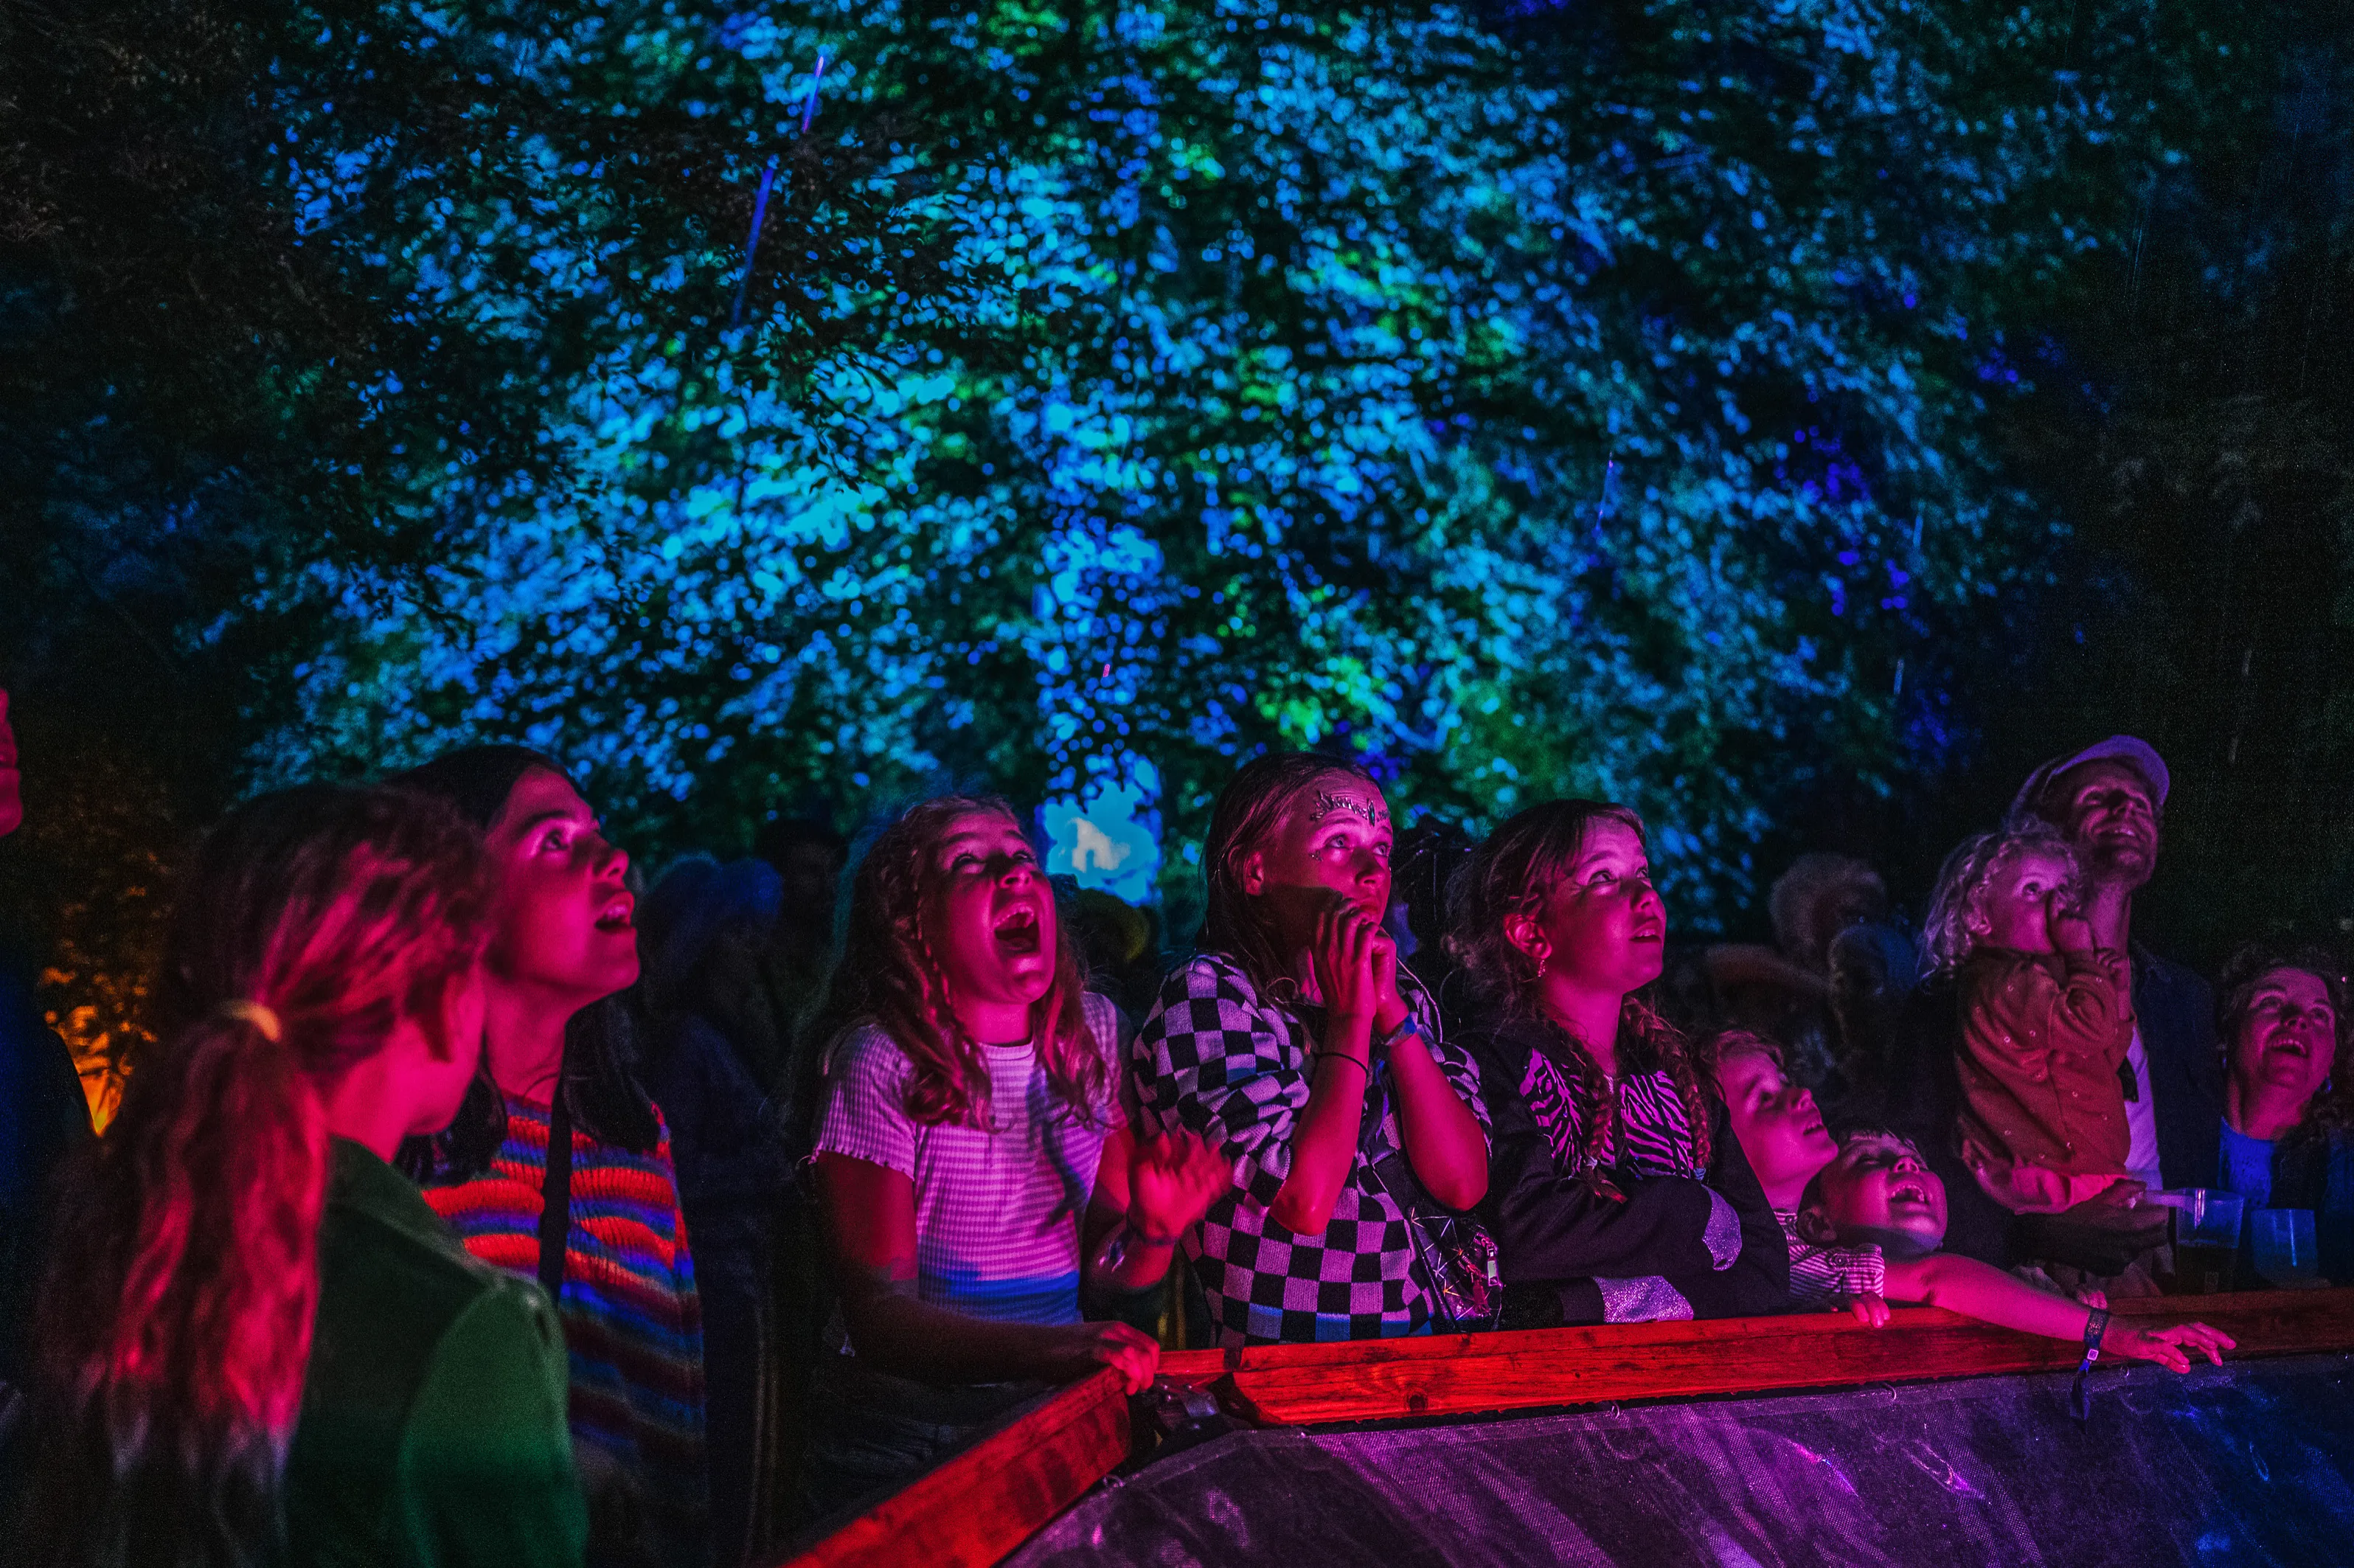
(1781, 1132)
(1879, 1194)
(1864, 1217)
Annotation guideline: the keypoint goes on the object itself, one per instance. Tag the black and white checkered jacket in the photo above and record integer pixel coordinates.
(1216, 1058)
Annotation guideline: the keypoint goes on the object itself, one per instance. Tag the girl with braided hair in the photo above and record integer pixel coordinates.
(980, 1182)
(1616, 1194)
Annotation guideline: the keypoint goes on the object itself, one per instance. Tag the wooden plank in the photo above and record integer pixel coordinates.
(978, 1506)
(1381, 1380)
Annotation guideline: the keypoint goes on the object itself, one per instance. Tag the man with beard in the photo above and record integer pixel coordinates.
(2109, 801)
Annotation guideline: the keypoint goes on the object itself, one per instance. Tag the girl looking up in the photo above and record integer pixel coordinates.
(1618, 1196)
(558, 1167)
(2047, 1019)
(257, 1342)
(2288, 1127)
(980, 1182)
(1298, 1045)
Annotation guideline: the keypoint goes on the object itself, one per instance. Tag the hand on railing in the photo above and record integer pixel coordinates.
(2166, 1346)
(1871, 1311)
(1081, 1347)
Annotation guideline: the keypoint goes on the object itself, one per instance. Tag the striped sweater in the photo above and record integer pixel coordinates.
(632, 1325)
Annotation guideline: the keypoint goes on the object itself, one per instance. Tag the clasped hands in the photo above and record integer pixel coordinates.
(1356, 967)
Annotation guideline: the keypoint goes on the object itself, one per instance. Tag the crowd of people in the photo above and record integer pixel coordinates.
(472, 1208)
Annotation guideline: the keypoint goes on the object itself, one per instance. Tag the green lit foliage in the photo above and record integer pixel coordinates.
(1595, 399)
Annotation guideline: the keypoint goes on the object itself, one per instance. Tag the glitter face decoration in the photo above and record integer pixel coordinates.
(1370, 811)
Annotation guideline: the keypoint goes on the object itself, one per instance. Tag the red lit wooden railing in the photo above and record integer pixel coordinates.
(981, 1505)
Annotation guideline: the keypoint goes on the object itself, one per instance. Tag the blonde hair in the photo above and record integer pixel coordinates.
(889, 977)
(1946, 939)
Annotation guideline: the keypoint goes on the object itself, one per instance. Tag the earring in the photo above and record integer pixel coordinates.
(1541, 964)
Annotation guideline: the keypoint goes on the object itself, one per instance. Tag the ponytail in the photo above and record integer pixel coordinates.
(173, 1328)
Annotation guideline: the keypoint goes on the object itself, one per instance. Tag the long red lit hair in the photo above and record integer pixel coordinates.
(174, 1326)
(889, 977)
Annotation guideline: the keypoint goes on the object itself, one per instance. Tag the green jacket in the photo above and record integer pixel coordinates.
(432, 1431)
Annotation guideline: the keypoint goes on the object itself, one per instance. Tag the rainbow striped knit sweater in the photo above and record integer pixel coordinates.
(632, 1326)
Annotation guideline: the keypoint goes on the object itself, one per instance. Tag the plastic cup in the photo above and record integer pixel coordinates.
(2206, 1240)
(2288, 1254)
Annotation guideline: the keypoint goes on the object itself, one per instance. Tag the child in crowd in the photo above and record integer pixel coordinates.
(979, 1173)
(1864, 1218)
(257, 1344)
(1618, 1196)
(558, 1166)
(1299, 1046)
(2046, 1022)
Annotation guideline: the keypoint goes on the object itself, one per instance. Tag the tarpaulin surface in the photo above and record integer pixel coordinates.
(2244, 1464)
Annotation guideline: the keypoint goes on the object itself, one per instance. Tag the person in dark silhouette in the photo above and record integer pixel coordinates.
(42, 1117)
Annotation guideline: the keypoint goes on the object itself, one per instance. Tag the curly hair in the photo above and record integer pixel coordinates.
(174, 1331)
(890, 978)
(1511, 875)
(1249, 809)
(2332, 1108)
(1947, 941)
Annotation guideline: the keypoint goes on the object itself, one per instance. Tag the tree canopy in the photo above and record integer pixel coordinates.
(762, 404)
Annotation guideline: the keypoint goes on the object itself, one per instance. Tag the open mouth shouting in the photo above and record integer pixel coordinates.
(1908, 1189)
(1018, 931)
(619, 913)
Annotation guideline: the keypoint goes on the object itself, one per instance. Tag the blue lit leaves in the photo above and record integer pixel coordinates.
(1533, 419)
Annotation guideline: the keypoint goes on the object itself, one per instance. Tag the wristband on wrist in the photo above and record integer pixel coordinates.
(1343, 1056)
(1123, 1239)
(2097, 1325)
(1412, 1025)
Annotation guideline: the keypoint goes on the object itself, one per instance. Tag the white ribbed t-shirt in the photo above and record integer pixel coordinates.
(998, 1210)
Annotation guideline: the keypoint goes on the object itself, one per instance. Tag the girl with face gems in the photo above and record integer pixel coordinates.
(556, 1108)
(1619, 1195)
(1302, 1050)
(981, 1179)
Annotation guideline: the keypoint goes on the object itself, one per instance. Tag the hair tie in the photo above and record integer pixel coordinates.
(263, 1018)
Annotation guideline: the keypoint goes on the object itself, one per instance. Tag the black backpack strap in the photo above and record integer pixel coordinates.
(556, 1197)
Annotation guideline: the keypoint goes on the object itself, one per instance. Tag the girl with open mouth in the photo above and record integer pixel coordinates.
(558, 1166)
(992, 1212)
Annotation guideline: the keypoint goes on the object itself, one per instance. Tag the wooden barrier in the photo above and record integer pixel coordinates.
(978, 1506)
(1388, 1380)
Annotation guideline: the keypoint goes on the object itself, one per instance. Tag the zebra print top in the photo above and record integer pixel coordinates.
(1655, 1136)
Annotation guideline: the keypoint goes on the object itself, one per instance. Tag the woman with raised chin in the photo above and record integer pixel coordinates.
(2289, 1119)
(558, 1166)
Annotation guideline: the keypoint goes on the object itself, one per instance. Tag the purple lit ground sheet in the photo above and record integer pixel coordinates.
(2244, 1465)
